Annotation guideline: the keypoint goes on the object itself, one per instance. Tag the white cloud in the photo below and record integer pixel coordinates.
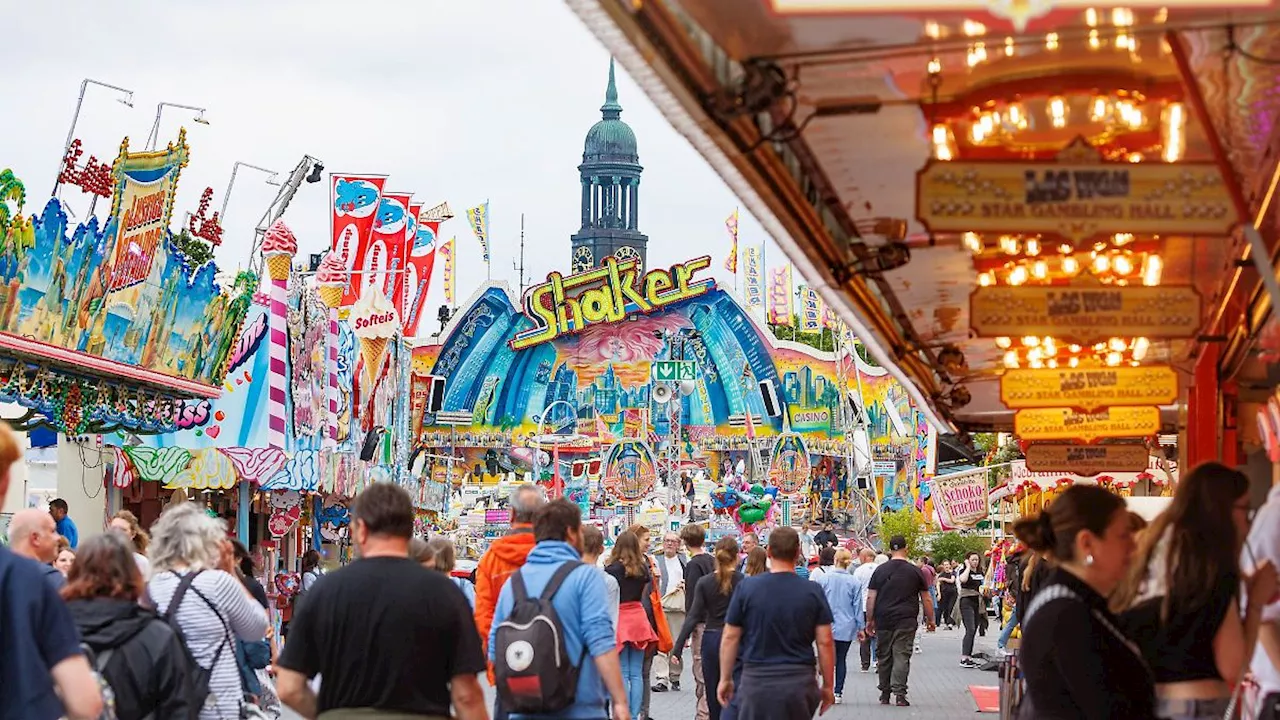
(457, 100)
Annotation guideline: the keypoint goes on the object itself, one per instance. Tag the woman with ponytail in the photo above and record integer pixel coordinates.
(710, 604)
(1076, 661)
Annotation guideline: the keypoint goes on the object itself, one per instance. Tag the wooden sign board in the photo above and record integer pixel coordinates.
(1088, 389)
(1066, 424)
(1085, 314)
(1076, 197)
(1086, 460)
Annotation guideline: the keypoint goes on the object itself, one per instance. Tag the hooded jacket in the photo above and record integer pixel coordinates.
(504, 556)
(582, 605)
(147, 669)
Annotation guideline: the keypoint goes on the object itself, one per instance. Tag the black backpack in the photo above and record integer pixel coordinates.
(532, 666)
(198, 676)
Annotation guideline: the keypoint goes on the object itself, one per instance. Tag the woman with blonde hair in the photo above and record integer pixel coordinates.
(711, 599)
(844, 595)
(629, 566)
(127, 523)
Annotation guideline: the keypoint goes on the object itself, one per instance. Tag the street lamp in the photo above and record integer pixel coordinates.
(75, 117)
(154, 137)
(273, 178)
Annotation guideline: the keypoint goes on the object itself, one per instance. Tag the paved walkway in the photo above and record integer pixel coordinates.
(938, 686)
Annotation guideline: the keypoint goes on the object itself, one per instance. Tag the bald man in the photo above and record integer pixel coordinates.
(33, 534)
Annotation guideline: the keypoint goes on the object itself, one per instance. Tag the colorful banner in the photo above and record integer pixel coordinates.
(419, 390)
(810, 310)
(961, 499)
(478, 216)
(1078, 198)
(753, 272)
(1085, 314)
(141, 209)
(1088, 389)
(731, 224)
(447, 276)
(779, 295)
(355, 200)
(420, 261)
(384, 258)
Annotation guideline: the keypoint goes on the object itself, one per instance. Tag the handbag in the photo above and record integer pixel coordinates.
(674, 601)
(660, 625)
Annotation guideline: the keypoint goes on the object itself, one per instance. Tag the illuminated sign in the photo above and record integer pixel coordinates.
(142, 208)
(1088, 388)
(1085, 314)
(1076, 199)
(567, 305)
(1086, 460)
(1067, 424)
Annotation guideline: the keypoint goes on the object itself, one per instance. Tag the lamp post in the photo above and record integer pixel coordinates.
(154, 137)
(272, 179)
(75, 117)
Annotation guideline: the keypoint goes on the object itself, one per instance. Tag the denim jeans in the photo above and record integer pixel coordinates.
(1009, 625)
(842, 667)
(633, 677)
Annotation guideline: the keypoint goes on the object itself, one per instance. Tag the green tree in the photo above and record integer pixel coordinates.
(953, 545)
(198, 252)
(905, 522)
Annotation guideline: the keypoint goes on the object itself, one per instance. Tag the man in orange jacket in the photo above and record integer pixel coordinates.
(504, 556)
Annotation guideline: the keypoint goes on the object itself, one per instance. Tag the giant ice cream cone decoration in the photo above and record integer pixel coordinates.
(278, 247)
(331, 278)
(374, 322)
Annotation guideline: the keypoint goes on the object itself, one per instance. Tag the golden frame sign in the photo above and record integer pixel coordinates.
(1077, 196)
(1086, 460)
(1090, 388)
(1066, 424)
(1085, 314)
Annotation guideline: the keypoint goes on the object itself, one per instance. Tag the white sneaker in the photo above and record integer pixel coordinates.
(839, 698)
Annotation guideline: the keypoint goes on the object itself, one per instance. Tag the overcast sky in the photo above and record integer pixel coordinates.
(455, 100)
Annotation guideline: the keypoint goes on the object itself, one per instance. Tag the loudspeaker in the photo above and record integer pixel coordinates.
(661, 393)
(435, 396)
(771, 406)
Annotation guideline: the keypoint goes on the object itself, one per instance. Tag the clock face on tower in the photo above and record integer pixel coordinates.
(626, 252)
(583, 259)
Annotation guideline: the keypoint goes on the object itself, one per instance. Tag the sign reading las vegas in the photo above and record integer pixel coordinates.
(567, 305)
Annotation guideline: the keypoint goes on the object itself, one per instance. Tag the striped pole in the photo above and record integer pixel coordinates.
(331, 388)
(276, 364)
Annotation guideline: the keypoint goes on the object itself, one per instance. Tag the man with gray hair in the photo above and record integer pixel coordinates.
(505, 555)
(33, 535)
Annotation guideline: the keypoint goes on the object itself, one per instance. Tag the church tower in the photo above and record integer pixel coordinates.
(610, 173)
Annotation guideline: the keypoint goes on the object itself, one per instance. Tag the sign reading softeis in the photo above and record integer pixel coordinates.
(567, 305)
(1077, 196)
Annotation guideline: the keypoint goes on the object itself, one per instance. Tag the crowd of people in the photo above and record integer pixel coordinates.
(1118, 620)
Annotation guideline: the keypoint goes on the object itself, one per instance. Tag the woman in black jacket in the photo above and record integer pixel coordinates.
(137, 654)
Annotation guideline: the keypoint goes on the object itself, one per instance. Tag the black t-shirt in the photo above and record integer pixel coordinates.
(779, 614)
(898, 585)
(1180, 648)
(36, 633)
(699, 566)
(630, 589)
(385, 633)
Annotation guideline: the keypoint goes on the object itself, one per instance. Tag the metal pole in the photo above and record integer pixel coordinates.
(75, 117)
(226, 197)
(154, 135)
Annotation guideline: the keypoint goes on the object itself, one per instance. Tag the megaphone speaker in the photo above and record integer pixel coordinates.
(661, 393)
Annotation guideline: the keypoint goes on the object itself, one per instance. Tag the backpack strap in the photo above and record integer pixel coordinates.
(184, 584)
(518, 591)
(557, 579)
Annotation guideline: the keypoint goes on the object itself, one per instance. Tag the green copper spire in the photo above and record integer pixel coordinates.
(611, 110)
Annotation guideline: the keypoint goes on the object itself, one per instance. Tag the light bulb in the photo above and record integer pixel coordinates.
(1032, 247)
(1004, 343)
(1114, 359)
(1099, 108)
(985, 279)
(1051, 41)
(1140, 347)
(1101, 264)
(1052, 363)
(943, 142)
(1122, 239)
(1011, 359)
(1030, 340)
(1095, 41)
(1073, 362)
(1122, 264)
(973, 241)
(1037, 364)
(1091, 17)
(1017, 276)
(1040, 269)
(1009, 47)
(1074, 348)
(1057, 109)
(1035, 353)
(935, 66)
(1050, 348)
(1117, 344)
(1009, 244)
(1154, 268)
(1070, 265)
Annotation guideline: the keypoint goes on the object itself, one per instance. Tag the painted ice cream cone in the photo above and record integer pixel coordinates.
(331, 279)
(374, 322)
(278, 247)
(372, 351)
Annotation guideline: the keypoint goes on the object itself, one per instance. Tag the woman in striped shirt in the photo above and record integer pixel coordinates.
(216, 608)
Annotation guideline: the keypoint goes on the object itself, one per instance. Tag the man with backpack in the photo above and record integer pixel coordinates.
(553, 644)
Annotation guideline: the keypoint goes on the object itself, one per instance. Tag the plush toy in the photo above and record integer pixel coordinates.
(756, 505)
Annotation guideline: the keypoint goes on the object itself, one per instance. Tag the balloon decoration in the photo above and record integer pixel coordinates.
(630, 471)
(789, 466)
(749, 507)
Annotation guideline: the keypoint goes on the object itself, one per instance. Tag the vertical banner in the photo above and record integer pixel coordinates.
(478, 216)
(420, 261)
(731, 224)
(753, 270)
(447, 276)
(355, 200)
(401, 297)
(143, 205)
(829, 319)
(780, 295)
(384, 260)
(420, 389)
(810, 310)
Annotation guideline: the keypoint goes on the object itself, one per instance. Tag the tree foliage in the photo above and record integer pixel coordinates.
(198, 252)
(905, 522)
(953, 545)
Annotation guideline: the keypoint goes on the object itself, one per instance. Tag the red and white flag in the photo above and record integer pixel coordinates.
(355, 200)
(385, 257)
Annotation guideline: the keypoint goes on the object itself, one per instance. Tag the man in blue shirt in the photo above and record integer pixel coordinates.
(66, 527)
(776, 618)
(43, 674)
(583, 608)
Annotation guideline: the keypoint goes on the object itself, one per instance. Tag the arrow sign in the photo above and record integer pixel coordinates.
(665, 370)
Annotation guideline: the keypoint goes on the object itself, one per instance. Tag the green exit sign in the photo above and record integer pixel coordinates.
(675, 370)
